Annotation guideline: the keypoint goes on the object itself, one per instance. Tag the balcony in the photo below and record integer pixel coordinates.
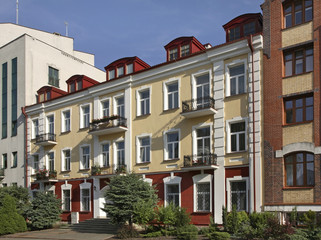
(44, 175)
(198, 107)
(200, 162)
(46, 139)
(109, 169)
(108, 125)
(1, 173)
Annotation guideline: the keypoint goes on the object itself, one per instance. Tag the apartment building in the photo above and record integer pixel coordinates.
(191, 126)
(30, 59)
(291, 105)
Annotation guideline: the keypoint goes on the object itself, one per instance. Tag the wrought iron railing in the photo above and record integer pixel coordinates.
(109, 169)
(46, 137)
(108, 122)
(198, 104)
(200, 160)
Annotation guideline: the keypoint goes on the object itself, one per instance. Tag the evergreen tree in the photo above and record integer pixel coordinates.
(20, 196)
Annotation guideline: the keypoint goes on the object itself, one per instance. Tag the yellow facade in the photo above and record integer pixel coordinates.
(298, 133)
(297, 84)
(298, 196)
(298, 34)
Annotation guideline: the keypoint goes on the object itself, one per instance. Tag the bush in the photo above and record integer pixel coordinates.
(153, 234)
(10, 220)
(44, 211)
(309, 219)
(172, 216)
(235, 219)
(274, 230)
(20, 197)
(219, 236)
(187, 232)
(127, 232)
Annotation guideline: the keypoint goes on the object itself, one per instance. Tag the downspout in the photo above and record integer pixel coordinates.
(250, 39)
(26, 141)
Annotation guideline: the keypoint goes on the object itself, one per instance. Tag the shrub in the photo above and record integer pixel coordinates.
(153, 234)
(20, 197)
(172, 216)
(127, 232)
(309, 219)
(234, 220)
(274, 230)
(224, 217)
(204, 231)
(10, 220)
(187, 232)
(219, 236)
(44, 211)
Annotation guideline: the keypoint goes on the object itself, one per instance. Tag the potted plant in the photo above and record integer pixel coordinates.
(52, 174)
(95, 170)
(42, 174)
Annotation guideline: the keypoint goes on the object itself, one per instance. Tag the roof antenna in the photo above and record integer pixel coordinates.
(17, 12)
(66, 23)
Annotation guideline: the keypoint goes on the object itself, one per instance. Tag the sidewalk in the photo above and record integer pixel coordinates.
(54, 234)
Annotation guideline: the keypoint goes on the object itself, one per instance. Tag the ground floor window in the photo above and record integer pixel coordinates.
(172, 194)
(85, 199)
(203, 196)
(66, 200)
(238, 195)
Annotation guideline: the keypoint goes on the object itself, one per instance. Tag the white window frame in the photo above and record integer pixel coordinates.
(202, 178)
(138, 146)
(63, 119)
(48, 123)
(47, 160)
(138, 100)
(82, 116)
(172, 180)
(33, 130)
(115, 104)
(66, 187)
(111, 72)
(127, 68)
(85, 185)
(235, 63)
(63, 167)
(194, 136)
(228, 189)
(34, 170)
(81, 165)
(123, 71)
(193, 79)
(166, 153)
(101, 160)
(101, 103)
(228, 133)
(165, 91)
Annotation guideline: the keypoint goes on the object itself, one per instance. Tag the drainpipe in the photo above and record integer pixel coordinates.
(26, 146)
(250, 39)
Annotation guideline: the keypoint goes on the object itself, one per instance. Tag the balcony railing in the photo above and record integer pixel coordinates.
(108, 125)
(109, 169)
(46, 139)
(200, 160)
(198, 104)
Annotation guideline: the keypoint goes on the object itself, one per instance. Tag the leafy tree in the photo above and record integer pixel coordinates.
(44, 211)
(128, 194)
(144, 212)
(10, 220)
(20, 196)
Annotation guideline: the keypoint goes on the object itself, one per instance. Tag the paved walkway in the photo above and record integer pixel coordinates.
(54, 234)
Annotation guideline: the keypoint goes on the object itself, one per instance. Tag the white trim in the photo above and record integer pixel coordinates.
(298, 147)
(63, 127)
(115, 102)
(138, 107)
(194, 136)
(173, 130)
(81, 122)
(228, 133)
(138, 137)
(165, 91)
(66, 187)
(228, 190)
(63, 159)
(101, 101)
(85, 185)
(47, 159)
(101, 153)
(47, 122)
(33, 171)
(172, 180)
(235, 63)
(202, 178)
(33, 133)
(81, 167)
(115, 149)
(193, 81)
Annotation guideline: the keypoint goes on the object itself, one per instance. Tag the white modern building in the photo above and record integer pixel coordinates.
(30, 59)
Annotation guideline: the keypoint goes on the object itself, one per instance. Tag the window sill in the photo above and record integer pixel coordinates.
(83, 129)
(171, 110)
(84, 212)
(202, 212)
(297, 75)
(230, 153)
(65, 171)
(84, 169)
(63, 211)
(236, 95)
(172, 160)
(301, 24)
(143, 163)
(13, 167)
(298, 123)
(66, 132)
(297, 188)
(104, 167)
(143, 115)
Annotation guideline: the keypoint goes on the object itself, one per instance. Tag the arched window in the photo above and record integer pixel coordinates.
(299, 169)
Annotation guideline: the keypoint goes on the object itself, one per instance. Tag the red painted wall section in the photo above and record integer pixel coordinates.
(239, 171)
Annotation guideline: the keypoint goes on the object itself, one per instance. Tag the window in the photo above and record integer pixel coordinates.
(202, 91)
(120, 71)
(184, 50)
(143, 102)
(85, 116)
(53, 77)
(203, 142)
(66, 160)
(72, 87)
(171, 95)
(4, 161)
(298, 61)
(85, 200)
(173, 54)
(299, 169)
(249, 28)
(297, 12)
(203, 196)
(66, 199)
(171, 145)
(105, 155)
(120, 146)
(120, 106)
(35, 163)
(105, 108)
(237, 80)
(234, 33)
(143, 147)
(85, 156)
(172, 194)
(66, 121)
(111, 74)
(35, 128)
(14, 160)
(4, 99)
(237, 136)
(298, 109)
(78, 85)
(51, 161)
(129, 68)
(238, 195)
(14, 97)
(51, 124)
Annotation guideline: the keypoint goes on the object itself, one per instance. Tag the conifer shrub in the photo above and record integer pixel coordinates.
(187, 232)
(219, 236)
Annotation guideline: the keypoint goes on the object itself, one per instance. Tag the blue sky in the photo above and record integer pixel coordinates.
(113, 29)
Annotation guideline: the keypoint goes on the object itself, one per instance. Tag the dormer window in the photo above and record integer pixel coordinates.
(234, 33)
(130, 68)
(79, 85)
(173, 54)
(120, 71)
(185, 50)
(111, 74)
(249, 28)
(72, 87)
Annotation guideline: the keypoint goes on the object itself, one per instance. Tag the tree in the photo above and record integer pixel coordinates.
(126, 195)
(20, 196)
(44, 211)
